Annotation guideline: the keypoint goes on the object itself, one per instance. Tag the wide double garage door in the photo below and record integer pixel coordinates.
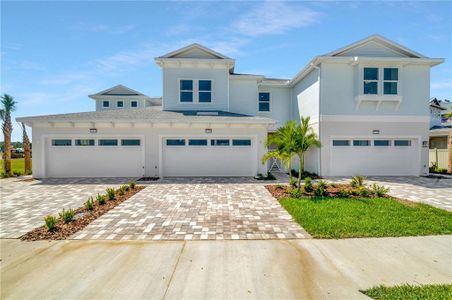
(392, 157)
(220, 156)
(100, 157)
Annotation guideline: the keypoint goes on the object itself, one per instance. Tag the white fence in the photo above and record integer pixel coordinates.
(438, 156)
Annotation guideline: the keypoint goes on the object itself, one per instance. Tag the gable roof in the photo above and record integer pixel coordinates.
(376, 38)
(195, 48)
(436, 103)
(118, 90)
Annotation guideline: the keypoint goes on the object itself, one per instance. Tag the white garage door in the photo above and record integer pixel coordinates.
(209, 157)
(103, 157)
(392, 157)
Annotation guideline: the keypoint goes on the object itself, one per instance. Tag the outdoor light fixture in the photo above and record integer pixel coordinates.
(208, 130)
(93, 130)
(376, 131)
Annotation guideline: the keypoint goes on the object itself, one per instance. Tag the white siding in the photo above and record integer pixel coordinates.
(279, 104)
(372, 49)
(243, 96)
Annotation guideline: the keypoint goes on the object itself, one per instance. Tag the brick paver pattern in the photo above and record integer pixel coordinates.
(25, 202)
(191, 209)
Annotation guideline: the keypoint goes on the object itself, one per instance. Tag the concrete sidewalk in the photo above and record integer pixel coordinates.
(271, 269)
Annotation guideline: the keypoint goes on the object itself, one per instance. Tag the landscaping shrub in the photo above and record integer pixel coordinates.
(120, 191)
(111, 194)
(293, 182)
(125, 187)
(17, 173)
(308, 184)
(379, 190)
(100, 199)
(320, 189)
(132, 184)
(270, 176)
(67, 215)
(357, 181)
(363, 192)
(296, 193)
(50, 221)
(89, 204)
(343, 193)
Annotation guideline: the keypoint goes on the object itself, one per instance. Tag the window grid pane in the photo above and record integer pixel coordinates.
(106, 103)
(390, 88)
(341, 143)
(219, 142)
(119, 104)
(175, 142)
(186, 85)
(402, 143)
(108, 142)
(186, 96)
(85, 142)
(205, 85)
(370, 88)
(205, 96)
(130, 142)
(264, 106)
(134, 104)
(361, 143)
(197, 142)
(241, 142)
(264, 97)
(370, 73)
(61, 142)
(379, 143)
(391, 74)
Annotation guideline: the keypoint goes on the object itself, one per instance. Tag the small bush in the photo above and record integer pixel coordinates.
(125, 187)
(363, 192)
(357, 181)
(100, 199)
(67, 215)
(308, 184)
(270, 176)
(17, 173)
(343, 193)
(89, 204)
(279, 186)
(111, 194)
(320, 189)
(293, 182)
(120, 191)
(50, 221)
(296, 193)
(132, 184)
(379, 190)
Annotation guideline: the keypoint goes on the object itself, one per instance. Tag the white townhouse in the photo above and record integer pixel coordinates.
(368, 102)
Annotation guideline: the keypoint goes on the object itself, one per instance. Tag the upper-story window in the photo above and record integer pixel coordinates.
(186, 90)
(379, 81)
(134, 104)
(205, 90)
(264, 101)
(119, 103)
(390, 80)
(105, 103)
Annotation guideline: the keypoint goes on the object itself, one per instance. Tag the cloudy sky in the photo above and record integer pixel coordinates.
(53, 54)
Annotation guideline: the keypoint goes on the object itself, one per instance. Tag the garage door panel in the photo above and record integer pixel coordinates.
(374, 160)
(94, 161)
(209, 160)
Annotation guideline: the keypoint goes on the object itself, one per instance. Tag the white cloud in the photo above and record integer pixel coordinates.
(441, 85)
(103, 28)
(274, 17)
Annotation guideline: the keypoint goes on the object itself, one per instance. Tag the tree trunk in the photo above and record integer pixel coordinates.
(300, 169)
(27, 151)
(449, 146)
(7, 128)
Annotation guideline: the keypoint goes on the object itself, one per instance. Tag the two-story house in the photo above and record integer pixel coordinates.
(367, 102)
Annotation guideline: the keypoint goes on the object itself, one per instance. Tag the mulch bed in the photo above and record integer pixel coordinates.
(81, 219)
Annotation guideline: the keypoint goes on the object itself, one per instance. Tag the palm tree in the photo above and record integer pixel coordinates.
(284, 140)
(27, 152)
(305, 138)
(9, 105)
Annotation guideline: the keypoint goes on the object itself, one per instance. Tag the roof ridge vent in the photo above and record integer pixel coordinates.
(207, 113)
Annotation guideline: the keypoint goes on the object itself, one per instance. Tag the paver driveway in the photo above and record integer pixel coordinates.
(25, 202)
(197, 209)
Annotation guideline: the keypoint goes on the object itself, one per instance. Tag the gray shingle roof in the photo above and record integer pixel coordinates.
(147, 114)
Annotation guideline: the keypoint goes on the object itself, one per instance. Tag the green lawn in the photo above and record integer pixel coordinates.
(17, 165)
(411, 292)
(366, 217)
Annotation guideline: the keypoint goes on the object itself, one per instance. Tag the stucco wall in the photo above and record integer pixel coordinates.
(243, 96)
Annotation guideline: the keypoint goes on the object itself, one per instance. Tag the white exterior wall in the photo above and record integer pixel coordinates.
(280, 103)
(220, 83)
(243, 96)
(151, 139)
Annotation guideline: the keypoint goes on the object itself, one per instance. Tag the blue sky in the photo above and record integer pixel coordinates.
(53, 54)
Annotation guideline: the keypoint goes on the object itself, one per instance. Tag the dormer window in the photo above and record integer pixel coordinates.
(105, 103)
(120, 104)
(205, 91)
(186, 90)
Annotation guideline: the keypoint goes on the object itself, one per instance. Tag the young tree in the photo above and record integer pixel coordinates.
(284, 140)
(8, 106)
(305, 138)
(27, 151)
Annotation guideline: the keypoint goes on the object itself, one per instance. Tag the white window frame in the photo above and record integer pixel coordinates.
(105, 101)
(380, 81)
(383, 80)
(370, 81)
(196, 91)
(132, 101)
(269, 102)
(117, 102)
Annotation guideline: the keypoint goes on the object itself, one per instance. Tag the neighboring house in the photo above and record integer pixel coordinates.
(440, 123)
(366, 102)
